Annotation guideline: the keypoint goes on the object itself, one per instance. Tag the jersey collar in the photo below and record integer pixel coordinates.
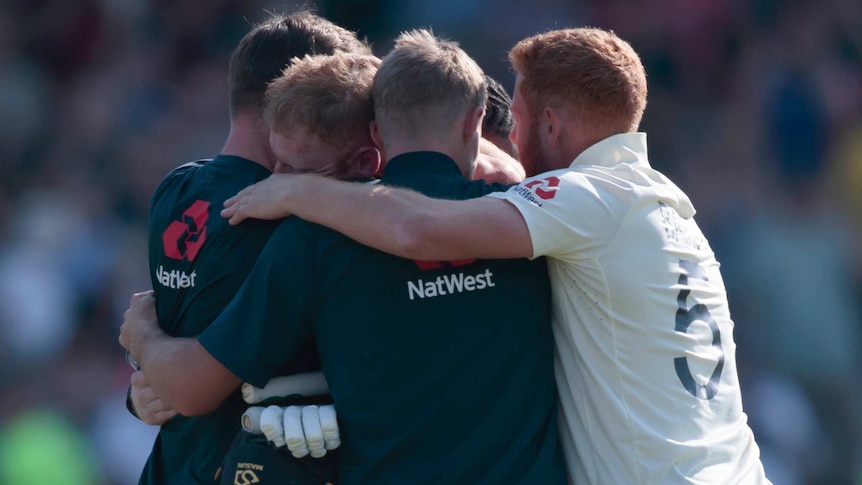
(628, 148)
(413, 163)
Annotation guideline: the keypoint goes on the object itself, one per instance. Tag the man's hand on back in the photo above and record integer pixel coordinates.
(263, 200)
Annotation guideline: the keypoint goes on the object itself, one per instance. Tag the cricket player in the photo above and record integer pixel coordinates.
(198, 262)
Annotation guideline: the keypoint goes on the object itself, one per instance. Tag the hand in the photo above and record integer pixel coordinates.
(263, 200)
(148, 407)
(139, 323)
(303, 429)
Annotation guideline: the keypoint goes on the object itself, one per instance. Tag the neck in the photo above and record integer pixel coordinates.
(456, 151)
(249, 139)
(576, 143)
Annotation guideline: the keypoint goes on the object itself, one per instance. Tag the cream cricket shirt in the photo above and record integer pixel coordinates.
(645, 358)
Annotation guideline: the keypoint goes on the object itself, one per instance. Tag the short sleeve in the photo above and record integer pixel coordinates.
(270, 317)
(565, 214)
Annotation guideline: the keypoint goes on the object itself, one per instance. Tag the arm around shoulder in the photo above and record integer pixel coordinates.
(399, 221)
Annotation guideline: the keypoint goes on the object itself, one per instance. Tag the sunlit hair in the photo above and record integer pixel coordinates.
(425, 84)
(588, 72)
(324, 96)
(269, 47)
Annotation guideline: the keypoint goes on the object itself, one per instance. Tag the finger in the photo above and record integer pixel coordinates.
(230, 201)
(312, 430)
(143, 297)
(239, 195)
(162, 417)
(238, 215)
(149, 412)
(251, 419)
(248, 393)
(124, 341)
(271, 425)
(139, 380)
(228, 212)
(157, 408)
(293, 434)
(329, 426)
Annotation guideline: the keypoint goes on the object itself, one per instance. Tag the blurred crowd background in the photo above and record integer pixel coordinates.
(755, 110)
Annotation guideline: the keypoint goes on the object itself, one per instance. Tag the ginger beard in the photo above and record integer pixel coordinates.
(530, 147)
(525, 133)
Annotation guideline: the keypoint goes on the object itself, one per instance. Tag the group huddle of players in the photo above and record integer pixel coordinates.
(472, 326)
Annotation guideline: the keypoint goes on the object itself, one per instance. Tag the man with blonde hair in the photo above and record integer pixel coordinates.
(645, 359)
(197, 262)
(434, 380)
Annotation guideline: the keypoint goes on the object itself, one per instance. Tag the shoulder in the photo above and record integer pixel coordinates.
(477, 188)
(177, 174)
(293, 230)
(582, 185)
(187, 168)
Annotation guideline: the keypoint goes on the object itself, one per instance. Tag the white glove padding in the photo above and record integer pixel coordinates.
(313, 430)
(329, 425)
(293, 433)
(305, 430)
(304, 384)
(251, 419)
(271, 425)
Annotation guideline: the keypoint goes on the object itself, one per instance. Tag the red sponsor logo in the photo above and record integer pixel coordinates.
(183, 239)
(426, 265)
(545, 188)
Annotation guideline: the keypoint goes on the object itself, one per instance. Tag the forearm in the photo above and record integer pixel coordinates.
(496, 165)
(375, 215)
(184, 375)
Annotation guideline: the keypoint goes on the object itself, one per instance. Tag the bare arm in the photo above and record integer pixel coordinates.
(397, 221)
(180, 371)
(495, 165)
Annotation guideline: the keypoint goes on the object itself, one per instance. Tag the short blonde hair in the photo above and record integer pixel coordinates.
(325, 96)
(425, 84)
(590, 72)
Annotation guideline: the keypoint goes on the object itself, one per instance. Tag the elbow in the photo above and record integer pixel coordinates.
(412, 237)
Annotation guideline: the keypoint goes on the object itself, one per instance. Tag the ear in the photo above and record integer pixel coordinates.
(375, 134)
(364, 164)
(554, 124)
(473, 123)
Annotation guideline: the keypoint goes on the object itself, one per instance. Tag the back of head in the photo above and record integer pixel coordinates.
(424, 85)
(264, 52)
(590, 73)
(328, 97)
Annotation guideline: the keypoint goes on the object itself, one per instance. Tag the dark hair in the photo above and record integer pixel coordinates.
(498, 115)
(264, 52)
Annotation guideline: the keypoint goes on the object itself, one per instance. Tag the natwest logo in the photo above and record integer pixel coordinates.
(183, 239)
(545, 188)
